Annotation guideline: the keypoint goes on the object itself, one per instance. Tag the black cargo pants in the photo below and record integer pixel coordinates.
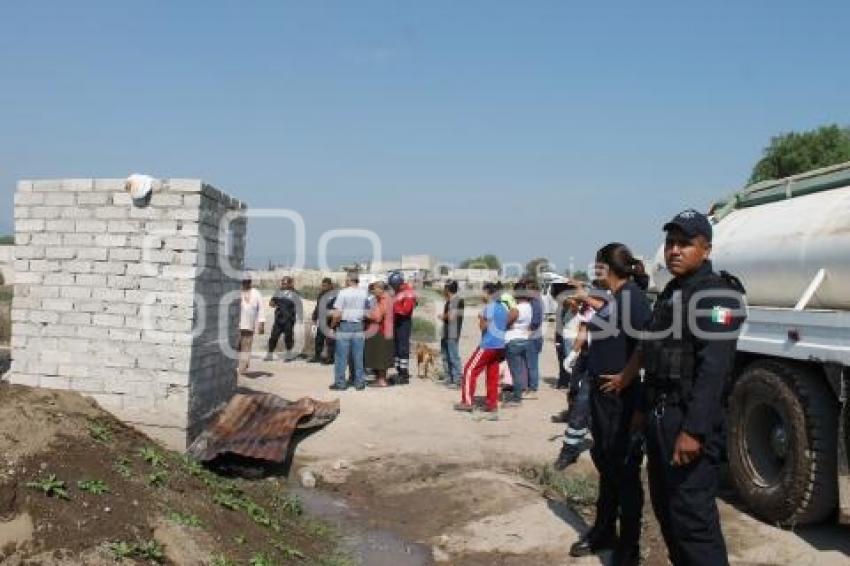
(683, 497)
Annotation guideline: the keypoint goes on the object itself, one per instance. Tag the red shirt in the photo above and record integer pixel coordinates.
(404, 300)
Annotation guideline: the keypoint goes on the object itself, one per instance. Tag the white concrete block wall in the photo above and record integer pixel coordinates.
(129, 304)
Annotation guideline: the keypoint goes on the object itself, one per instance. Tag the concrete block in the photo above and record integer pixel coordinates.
(77, 240)
(124, 309)
(63, 225)
(59, 279)
(183, 185)
(29, 199)
(46, 239)
(111, 212)
(109, 295)
(93, 254)
(60, 253)
(148, 213)
(181, 243)
(93, 332)
(93, 385)
(75, 319)
(110, 240)
(75, 292)
(60, 330)
(123, 281)
(122, 199)
(143, 269)
(110, 267)
(110, 320)
(77, 184)
(124, 334)
(29, 278)
(58, 305)
(45, 212)
(77, 266)
(91, 280)
(93, 307)
(60, 199)
(74, 371)
(95, 198)
(44, 266)
(124, 226)
(109, 185)
(29, 225)
(76, 213)
(97, 226)
(29, 252)
(125, 254)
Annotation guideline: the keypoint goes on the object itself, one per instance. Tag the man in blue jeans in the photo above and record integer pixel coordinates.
(348, 317)
(535, 342)
(452, 318)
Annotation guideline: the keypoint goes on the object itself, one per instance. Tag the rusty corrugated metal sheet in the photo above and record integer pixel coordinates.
(260, 425)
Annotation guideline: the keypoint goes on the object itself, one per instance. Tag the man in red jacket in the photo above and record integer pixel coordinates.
(404, 301)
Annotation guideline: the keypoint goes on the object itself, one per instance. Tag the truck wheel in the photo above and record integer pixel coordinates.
(783, 423)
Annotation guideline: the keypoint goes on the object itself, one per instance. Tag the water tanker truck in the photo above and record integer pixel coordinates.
(787, 414)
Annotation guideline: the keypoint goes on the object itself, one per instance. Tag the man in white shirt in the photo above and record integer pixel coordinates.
(349, 312)
(251, 320)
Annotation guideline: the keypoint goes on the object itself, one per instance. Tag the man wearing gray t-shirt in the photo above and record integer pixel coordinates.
(348, 315)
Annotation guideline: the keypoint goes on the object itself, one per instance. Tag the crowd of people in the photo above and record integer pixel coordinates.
(642, 381)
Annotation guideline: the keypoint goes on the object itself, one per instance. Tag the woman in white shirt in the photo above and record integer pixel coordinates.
(517, 343)
(251, 319)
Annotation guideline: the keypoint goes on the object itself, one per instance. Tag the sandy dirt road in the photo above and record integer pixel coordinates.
(449, 480)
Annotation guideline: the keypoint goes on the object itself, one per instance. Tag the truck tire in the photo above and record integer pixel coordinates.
(783, 422)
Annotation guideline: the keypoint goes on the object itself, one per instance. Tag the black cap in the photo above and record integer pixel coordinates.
(692, 223)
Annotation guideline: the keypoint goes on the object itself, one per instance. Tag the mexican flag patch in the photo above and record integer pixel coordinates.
(721, 315)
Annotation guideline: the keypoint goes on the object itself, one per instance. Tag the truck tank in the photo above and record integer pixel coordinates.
(778, 247)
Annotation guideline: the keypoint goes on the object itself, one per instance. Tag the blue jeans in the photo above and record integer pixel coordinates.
(517, 354)
(350, 341)
(535, 346)
(451, 360)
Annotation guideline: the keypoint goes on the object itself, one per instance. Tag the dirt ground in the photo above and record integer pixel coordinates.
(450, 480)
(137, 503)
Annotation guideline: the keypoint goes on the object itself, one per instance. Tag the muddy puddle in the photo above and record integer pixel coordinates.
(368, 546)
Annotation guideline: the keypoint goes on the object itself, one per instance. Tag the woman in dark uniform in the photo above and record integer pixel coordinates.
(621, 310)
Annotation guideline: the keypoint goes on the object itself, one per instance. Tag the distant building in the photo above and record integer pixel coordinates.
(417, 269)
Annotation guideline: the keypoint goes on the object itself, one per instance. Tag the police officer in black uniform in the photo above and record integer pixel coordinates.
(687, 352)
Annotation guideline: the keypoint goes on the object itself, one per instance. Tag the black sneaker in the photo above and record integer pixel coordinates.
(336, 387)
(568, 456)
(360, 387)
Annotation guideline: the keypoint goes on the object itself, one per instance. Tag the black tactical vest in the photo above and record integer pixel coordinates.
(669, 348)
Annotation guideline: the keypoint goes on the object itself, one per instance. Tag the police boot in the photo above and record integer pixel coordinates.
(626, 556)
(593, 542)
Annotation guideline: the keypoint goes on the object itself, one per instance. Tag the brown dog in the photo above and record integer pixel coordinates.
(426, 359)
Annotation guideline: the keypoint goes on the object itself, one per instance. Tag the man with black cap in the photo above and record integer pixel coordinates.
(687, 351)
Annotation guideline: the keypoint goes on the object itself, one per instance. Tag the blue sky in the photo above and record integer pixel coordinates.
(452, 128)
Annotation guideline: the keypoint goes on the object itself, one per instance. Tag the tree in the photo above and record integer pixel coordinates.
(579, 275)
(7, 240)
(536, 266)
(486, 261)
(793, 153)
